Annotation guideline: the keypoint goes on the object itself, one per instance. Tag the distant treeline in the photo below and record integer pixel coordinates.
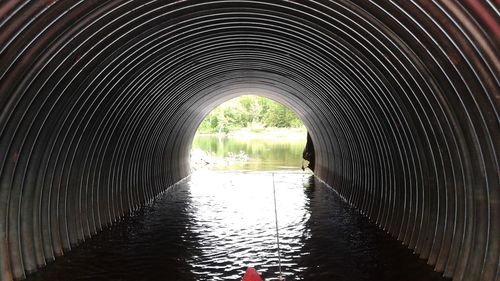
(252, 112)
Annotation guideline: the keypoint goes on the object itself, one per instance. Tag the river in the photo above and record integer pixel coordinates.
(218, 221)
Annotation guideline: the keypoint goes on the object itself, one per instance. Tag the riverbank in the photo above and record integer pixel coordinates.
(268, 134)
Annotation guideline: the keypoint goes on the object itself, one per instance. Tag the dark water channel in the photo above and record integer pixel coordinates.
(214, 224)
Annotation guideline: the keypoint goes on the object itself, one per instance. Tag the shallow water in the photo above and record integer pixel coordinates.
(263, 154)
(213, 225)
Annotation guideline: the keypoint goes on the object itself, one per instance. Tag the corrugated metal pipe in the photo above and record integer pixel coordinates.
(100, 99)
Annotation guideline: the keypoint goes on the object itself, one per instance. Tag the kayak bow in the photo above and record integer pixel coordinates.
(251, 275)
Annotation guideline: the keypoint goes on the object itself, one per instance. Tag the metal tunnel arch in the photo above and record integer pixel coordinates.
(218, 94)
(99, 101)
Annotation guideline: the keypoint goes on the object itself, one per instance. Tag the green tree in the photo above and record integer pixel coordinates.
(246, 111)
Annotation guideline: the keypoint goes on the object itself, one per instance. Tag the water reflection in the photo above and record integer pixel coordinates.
(237, 215)
(214, 225)
(343, 245)
(154, 243)
(263, 154)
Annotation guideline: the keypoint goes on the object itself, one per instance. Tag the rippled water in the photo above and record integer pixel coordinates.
(213, 225)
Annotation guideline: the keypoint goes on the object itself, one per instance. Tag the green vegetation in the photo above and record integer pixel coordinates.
(249, 112)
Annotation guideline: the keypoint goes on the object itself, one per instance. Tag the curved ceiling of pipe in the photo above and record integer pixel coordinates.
(99, 101)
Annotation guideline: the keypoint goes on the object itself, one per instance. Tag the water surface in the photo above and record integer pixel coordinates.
(262, 154)
(215, 224)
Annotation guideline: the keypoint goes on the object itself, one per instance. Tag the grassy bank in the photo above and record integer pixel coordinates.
(264, 134)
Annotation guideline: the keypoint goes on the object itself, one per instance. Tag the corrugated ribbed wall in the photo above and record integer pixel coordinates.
(99, 101)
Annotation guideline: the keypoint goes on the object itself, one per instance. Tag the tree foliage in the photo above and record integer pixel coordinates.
(249, 112)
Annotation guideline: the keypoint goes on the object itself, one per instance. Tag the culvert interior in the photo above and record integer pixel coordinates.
(100, 100)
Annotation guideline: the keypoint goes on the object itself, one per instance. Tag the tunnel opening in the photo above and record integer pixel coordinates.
(251, 132)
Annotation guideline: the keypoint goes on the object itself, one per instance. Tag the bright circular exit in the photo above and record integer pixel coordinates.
(251, 133)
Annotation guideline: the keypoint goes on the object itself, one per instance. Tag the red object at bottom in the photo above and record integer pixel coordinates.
(251, 275)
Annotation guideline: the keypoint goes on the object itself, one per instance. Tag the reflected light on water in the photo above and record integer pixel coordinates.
(213, 225)
(237, 219)
(228, 154)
